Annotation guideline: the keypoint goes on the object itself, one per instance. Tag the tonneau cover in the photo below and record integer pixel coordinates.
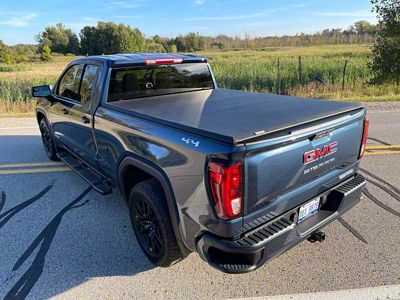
(232, 115)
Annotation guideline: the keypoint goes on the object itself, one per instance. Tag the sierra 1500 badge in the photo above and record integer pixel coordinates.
(316, 154)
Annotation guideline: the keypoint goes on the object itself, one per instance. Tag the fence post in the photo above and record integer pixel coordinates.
(300, 75)
(344, 74)
(279, 77)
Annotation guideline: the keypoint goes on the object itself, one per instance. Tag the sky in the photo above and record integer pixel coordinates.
(21, 20)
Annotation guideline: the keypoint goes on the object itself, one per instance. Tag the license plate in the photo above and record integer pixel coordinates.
(308, 209)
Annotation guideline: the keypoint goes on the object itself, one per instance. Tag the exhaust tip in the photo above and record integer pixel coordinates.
(317, 236)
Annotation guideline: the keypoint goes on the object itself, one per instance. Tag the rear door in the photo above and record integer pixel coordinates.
(75, 100)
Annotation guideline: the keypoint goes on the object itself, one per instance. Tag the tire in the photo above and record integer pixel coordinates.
(47, 139)
(151, 223)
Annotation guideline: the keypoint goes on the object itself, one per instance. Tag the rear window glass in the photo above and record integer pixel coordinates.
(155, 80)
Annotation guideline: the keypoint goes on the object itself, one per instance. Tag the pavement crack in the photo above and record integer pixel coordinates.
(80, 205)
(397, 190)
(3, 200)
(379, 141)
(379, 203)
(352, 230)
(24, 285)
(7, 215)
(382, 187)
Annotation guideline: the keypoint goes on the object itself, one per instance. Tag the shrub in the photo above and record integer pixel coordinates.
(45, 53)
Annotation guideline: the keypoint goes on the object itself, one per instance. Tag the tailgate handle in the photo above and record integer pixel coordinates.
(319, 135)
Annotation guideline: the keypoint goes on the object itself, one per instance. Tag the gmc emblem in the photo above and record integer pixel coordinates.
(318, 153)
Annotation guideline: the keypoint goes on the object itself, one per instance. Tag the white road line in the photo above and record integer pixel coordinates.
(12, 128)
(388, 292)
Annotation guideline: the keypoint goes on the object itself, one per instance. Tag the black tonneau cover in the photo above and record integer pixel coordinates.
(231, 115)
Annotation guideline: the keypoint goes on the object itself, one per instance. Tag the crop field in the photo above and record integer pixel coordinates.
(316, 72)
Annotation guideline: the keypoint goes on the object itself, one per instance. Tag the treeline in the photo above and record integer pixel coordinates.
(109, 37)
(18, 53)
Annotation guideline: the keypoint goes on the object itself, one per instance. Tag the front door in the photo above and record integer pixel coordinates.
(71, 113)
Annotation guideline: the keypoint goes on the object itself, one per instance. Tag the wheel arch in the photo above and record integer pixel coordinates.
(40, 115)
(148, 170)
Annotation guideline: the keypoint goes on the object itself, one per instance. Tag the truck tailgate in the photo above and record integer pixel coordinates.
(281, 164)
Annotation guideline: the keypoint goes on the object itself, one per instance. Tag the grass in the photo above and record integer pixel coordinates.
(321, 70)
(17, 81)
(257, 71)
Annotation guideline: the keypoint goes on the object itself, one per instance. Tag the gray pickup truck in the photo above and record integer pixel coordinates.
(238, 177)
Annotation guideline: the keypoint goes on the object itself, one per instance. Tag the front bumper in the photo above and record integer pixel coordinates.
(268, 240)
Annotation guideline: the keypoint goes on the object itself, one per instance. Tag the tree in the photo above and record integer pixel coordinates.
(111, 38)
(180, 43)
(45, 53)
(59, 39)
(363, 27)
(152, 46)
(385, 63)
(173, 49)
(3, 51)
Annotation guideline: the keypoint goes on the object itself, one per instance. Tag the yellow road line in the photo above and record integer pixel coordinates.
(37, 170)
(382, 147)
(60, 167)
(381, 152)
(35, 164)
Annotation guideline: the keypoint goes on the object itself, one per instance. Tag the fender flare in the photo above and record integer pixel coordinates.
(41, 111)
(155, 171)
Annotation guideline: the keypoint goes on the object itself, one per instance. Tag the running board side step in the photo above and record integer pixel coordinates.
(83, 170)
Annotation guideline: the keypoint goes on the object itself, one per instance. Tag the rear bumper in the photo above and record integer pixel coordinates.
(268, 240)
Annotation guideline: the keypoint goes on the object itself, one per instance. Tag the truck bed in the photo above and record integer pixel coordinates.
(232, 116)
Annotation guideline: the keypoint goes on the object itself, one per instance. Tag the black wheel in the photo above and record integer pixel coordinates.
(151, 223)
(47, 140)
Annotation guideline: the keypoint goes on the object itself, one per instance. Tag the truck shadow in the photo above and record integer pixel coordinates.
(87, 236)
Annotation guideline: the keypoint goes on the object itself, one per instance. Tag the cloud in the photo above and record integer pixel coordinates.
(235, 17)
(90, 19)
(78, 26)
(359, 14)
(199, 2)
(122, 4)
(299, 5)
(128, 17)
(256, 24)
(19, 20)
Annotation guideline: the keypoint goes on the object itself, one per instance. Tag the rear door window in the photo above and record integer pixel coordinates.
(88, 82)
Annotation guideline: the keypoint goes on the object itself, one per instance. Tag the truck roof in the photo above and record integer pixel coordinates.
(139, 58)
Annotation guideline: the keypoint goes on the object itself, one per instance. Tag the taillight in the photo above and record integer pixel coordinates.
(162, 61)
(364, 138)
(226, 186)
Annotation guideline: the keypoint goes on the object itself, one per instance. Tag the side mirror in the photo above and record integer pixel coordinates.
(41, 91)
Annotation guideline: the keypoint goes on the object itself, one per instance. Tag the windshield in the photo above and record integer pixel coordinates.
(144, 81)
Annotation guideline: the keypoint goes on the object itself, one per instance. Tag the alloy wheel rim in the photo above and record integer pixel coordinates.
(46, 138)
(148, 229)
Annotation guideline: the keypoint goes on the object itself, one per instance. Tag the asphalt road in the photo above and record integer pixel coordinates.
(59, 238)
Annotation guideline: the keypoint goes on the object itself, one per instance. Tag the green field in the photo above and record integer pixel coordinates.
(321, 75)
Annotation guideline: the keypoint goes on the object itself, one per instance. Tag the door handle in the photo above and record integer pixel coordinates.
(85, 120)
(65, 111)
